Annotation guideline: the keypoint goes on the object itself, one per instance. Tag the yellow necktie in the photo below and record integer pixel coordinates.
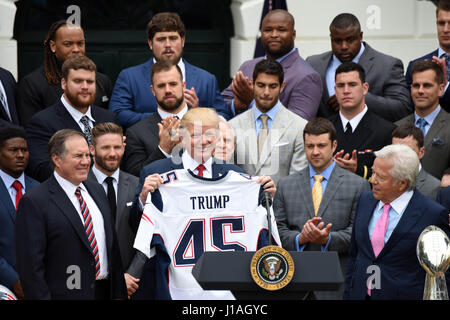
(317, 192)
(262, 135)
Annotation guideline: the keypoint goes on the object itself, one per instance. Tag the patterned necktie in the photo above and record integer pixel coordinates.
(262, 135)
(87, 129)
(112, 197)
(89, 229)
(317, 192)
(18, 186)
(447, 61)
(421, 124)
(200, 168)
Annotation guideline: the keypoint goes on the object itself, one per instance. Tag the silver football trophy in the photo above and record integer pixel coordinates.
(433, 252)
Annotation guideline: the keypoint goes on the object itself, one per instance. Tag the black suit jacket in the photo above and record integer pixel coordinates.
(372, 133)
(43, 125)
(142, 144)
(9, 84)
(50, 240)
(35, 93)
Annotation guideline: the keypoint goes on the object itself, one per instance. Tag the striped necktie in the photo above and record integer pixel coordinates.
(421, 124)
(317, 192)
(89, 229)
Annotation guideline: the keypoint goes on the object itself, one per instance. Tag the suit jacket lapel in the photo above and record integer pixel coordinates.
(366, 59)
(304, 187)
(323, 71)
(438, 123)
(408, 219)
(361, 133)
(250, 140)
(6, 199)
(332, 186)
(65, 117)
(364, 224)
(66, 208)
(122, 192)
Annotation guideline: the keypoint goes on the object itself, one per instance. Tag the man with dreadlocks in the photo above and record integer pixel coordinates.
(42, 88)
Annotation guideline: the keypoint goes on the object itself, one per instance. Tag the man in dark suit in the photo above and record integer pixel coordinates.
(8, 112)
(388, 95)
(75, 110)
(318, 216)
(443, 197)
(13, 184)
(42, 87)
(107, 149)
(132, 100)
(412, 137)
(199, 129)
(359, 130)
(65, 240)
(149, 139)
(442, 54)
(387, 225)
(428, 84)
(303, 88)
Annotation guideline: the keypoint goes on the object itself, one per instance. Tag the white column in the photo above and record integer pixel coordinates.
(8, 46)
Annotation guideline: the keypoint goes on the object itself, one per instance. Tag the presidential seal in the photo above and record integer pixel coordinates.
(272, 268)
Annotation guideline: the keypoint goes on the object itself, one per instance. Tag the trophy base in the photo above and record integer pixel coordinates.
(435, 288)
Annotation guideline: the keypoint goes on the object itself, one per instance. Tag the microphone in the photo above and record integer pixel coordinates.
(267, 202)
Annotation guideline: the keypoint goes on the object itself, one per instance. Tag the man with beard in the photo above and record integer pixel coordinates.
(132, 101)
(149, 139)
(303, 89)
(41, 88)
(268, 136)
(75, 110)
(107, 149)
(388, 94)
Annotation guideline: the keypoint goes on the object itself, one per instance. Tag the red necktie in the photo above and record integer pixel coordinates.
(18, 186)
(200, 169)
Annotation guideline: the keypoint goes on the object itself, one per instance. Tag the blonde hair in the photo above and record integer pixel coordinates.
(201, 116)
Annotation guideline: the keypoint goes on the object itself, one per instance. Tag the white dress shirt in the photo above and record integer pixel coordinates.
(354, 121)
(97, 219)
(101, 179)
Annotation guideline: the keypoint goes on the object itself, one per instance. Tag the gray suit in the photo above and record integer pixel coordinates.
(125, 236)
(283, 152)
(293, 206)
(427, 184)
(388, 94)
(437, 143)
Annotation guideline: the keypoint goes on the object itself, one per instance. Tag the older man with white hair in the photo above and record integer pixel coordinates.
(388, 222)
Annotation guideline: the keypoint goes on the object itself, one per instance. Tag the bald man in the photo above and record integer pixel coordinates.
(303, 89)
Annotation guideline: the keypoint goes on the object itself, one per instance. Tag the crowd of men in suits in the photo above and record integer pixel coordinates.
(351, 150)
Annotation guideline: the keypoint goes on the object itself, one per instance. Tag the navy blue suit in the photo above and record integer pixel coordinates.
(8, 272)
(41, 127)
(50, 238)
(443, 197)
(445, 99)
(402, 276)
(9, 84)
(132, 100)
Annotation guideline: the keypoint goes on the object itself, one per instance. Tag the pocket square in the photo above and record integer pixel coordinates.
(129, 204)
(437, 141)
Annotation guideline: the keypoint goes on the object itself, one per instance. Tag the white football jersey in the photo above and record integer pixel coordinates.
(201, 215)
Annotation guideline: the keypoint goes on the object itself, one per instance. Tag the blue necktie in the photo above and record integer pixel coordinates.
(421, 123)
